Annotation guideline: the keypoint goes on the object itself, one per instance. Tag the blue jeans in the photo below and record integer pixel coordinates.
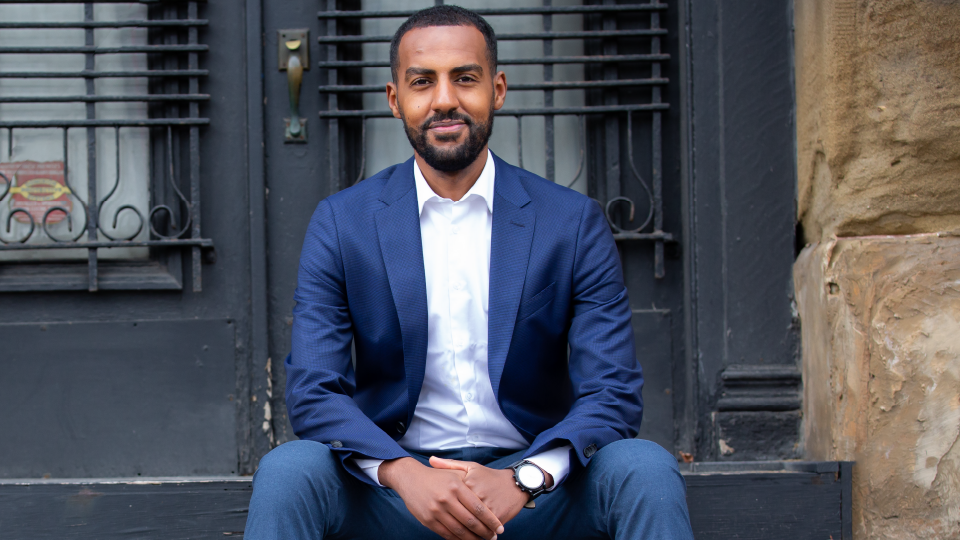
(631, 489)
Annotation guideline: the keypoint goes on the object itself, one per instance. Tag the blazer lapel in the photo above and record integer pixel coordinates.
(398, 229)
(511, 237)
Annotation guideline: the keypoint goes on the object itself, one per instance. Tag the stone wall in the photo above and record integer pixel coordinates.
(878, 116)
(881, 337)
(878, 286)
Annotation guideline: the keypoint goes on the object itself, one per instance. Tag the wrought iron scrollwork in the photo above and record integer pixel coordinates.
(130, 207)
(33, 225)
(108, 233)
(612, 203)
(176, 49)
(171, 216)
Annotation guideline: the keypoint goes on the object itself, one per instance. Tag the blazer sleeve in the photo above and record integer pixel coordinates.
(603, 367)
(320, 375)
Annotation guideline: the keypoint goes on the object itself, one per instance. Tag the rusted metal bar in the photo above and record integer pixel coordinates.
(600, 59)
(173, 242)
(533, 111)
(145, 122)
(657, 155)
(93, 49)
(644, 237)
(548, 120)
(98, 1)
(333, 125)
(194, 88)
(103, 24)
(92, 218)
(514, 87)
(556, 10)
(90, 74)
(524, 36)
(104, 99)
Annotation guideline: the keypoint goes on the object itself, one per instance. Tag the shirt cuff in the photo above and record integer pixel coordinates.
(556, 462)
(371, 467)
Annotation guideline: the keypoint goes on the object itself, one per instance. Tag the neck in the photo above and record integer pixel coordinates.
(453, 185)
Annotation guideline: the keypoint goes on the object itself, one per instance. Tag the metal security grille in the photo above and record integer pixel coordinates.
(603, 113)
(173, 119)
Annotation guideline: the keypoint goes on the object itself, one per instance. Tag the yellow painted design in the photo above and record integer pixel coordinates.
(40, 189)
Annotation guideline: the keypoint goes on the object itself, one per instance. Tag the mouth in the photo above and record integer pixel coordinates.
(446, 126)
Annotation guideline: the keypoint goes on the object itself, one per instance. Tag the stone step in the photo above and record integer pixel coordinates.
(745, 500)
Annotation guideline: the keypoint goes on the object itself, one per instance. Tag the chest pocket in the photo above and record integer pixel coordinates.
(537, 302)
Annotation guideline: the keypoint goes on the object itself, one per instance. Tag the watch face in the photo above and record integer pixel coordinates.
(530, 476)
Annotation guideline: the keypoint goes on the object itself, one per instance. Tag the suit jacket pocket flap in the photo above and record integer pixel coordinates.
(538, 300)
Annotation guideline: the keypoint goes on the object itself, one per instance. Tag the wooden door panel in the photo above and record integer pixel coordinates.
(116, 399)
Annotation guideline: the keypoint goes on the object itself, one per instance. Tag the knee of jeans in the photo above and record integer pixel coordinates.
(645, 457)
(295, 464)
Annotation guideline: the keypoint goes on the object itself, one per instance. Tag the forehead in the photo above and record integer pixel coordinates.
(442, 47)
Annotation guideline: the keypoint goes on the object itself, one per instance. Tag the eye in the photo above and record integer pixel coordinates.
(419, 82)
(467, 78)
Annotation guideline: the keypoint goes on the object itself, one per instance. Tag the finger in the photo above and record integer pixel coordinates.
(468, 521)
(459, 531)
(442, 530)
(477, 509)
(440, 463)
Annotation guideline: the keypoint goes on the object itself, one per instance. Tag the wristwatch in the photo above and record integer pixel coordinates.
(530, 479)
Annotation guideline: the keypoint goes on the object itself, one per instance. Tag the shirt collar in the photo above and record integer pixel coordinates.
(482, 188)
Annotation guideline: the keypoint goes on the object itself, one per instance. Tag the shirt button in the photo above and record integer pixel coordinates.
(455, 229)
(458, 285)
(469, 397)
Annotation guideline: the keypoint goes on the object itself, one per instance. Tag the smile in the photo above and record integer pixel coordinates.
(446, 127)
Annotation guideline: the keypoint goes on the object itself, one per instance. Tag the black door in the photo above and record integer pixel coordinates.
(154, 200)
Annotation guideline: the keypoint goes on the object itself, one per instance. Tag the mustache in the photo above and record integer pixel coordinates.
(448, 116)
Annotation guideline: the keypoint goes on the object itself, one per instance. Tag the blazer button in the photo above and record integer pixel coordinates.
(589, 451)
(336, 444)
(401, 427)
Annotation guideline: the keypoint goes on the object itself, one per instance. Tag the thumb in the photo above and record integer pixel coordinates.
(440, 463)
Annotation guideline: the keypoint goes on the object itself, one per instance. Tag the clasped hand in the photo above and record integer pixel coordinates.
(455, 499)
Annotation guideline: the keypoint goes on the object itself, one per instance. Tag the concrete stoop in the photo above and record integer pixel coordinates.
(744, 500)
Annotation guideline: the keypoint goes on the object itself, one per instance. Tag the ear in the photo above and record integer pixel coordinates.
(392, 99)
(499, 90)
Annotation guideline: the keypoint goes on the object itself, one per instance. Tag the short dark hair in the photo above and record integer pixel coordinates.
(443, 16)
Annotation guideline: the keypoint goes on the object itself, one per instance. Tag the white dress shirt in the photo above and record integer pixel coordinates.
(457, 407)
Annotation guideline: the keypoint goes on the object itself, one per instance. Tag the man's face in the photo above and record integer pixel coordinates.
(445, 94)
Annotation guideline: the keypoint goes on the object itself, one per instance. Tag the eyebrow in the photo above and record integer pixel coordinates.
(416, 71)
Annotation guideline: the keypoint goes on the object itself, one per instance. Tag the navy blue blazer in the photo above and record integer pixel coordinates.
(561, 352)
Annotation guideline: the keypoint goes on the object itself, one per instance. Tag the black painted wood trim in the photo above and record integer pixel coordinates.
(167, 509)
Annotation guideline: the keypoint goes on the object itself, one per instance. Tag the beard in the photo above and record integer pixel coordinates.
(452, 159)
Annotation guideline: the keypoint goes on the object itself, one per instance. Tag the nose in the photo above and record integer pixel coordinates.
(445, 96)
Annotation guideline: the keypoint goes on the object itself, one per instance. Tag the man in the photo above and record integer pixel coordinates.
(495, 390)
